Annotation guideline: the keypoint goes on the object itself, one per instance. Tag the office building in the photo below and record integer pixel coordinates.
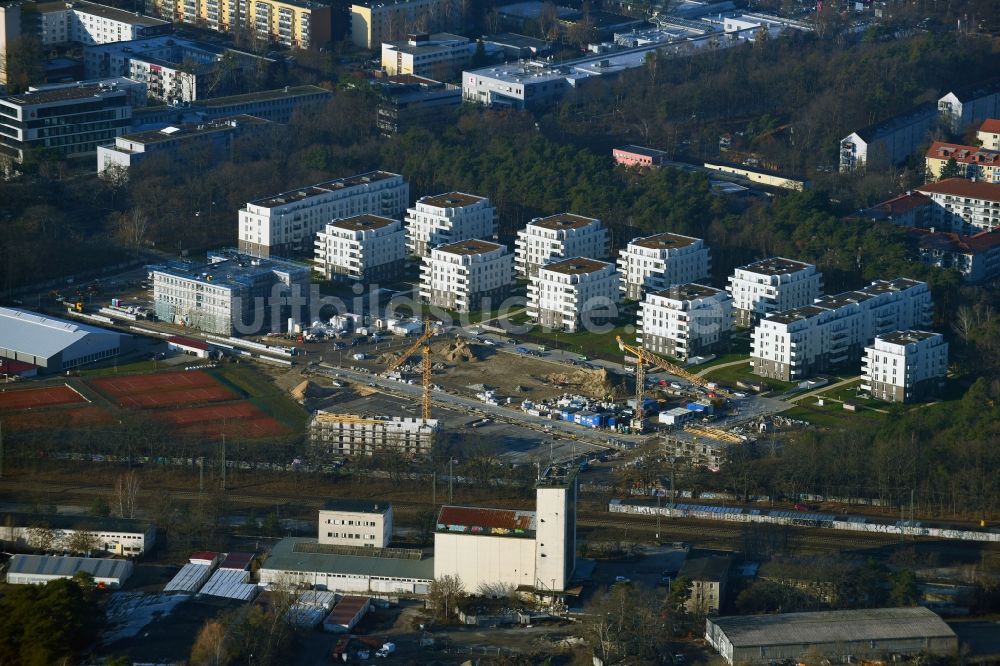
(833, 331)
(296, 24)
(976, 257)
(518, 47)
(685, 320)
(988, 134)
(117, 536)
(448, 218)
(961, 108)
(973, 162)
(55, 345)
(412, 101)
(524, 550)
(334, 436)
(656, 262)
(356, 523)
(962, 206)
(363, 247)
(375, 22)
(840, 636)
(467, 276)
(175, 69)
(213, 139)
(88, 23)
(709, 577)
(556, 237)
(638, 156)
(287, 223)
(573, 293)
(65, 121)
(439, 56)
(772, 285)
(232, 293)
(889, 142)
(905, 366)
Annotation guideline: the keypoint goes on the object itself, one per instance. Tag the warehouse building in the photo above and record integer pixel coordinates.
(850, 636)
(527, 550)
(41, 569)
(303, 561)
(120, 536)
(54, 345)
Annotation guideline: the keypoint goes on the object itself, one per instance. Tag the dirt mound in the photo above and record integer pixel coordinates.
(593, 383)
(456, 351)
(310, 390)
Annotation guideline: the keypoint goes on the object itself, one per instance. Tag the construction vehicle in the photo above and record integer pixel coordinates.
(78, 306)
(643, 358)
(421, 344)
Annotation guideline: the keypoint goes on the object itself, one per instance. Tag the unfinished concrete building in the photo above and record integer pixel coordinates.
(341, 435)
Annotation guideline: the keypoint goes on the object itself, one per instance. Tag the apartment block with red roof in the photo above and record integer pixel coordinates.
(963, 206)
(989, 134)
(973, 162)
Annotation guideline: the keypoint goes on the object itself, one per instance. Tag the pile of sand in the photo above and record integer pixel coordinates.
(456, 351)
(593, 383)
(309, 390)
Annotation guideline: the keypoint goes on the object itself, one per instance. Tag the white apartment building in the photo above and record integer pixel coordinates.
(772, 285)
(965, 106)
(685, 320)
(363, 247)
(531, 550)
(355, 523)
(89, 23)
(657, 262)
(222, 296)
(335, 436)
(567, 294)
(963, 206)
(287, 223)
(833, 331)
(448, 218)
(436, 56)
(989, 134)
(460, 276)
(905, 366)
(557, 237)
(377, 21)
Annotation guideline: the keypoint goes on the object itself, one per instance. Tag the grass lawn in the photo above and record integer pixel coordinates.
(744, 373)
(262, 393)
(833, 415)
(587, 343)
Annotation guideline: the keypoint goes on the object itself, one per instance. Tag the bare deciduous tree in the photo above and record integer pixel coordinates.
(126, 493)
(445, 593)
(40, 537)
(131, 228)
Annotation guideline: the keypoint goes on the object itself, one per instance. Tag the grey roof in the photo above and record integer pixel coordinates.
(284, 557)
(54, 565)
(833, 627)
(25, 332)
(357, 506)
(711, 568)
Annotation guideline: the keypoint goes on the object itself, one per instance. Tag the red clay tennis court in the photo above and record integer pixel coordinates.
(38, 397)
(56, 419)
(239, 420)
(166, 389)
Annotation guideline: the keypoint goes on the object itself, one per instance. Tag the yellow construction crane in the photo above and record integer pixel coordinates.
(419, 344)
(648, 357)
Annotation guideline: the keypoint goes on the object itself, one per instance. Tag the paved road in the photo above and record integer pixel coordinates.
(824, 389)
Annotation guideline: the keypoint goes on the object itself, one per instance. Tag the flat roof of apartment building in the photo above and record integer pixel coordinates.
(796, 314)
(563, 221)
(322, 188)
(576, 266)
(688, 292)
(469, 247)
(114, 13)
(450, 200)
(362, 222)
(264, 95)
(906, 337)
(776, 266)
(59, 94)
(189, 130)
(665, 241)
